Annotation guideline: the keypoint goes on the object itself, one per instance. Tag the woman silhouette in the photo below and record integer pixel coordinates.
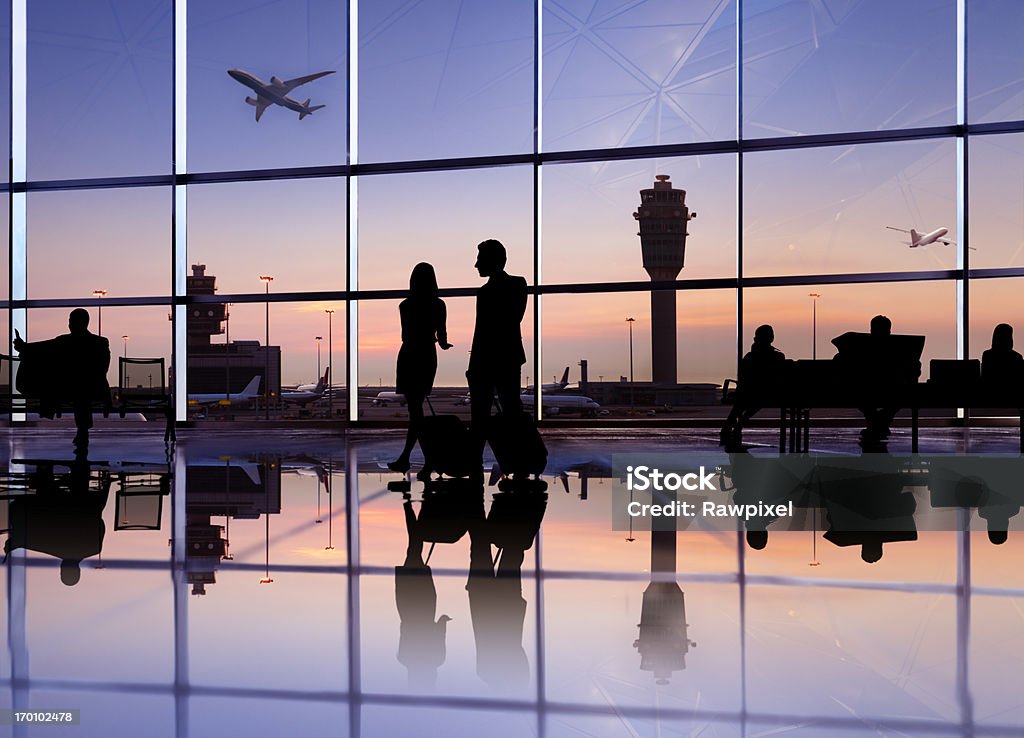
(424, 318)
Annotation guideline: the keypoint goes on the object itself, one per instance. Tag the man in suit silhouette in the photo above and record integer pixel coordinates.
(497, 354)
(88, 358)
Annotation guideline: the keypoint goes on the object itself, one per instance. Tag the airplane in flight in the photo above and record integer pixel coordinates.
(554, 386)
(925, 239)
(251, 392)
(276, 92)
(304, 393)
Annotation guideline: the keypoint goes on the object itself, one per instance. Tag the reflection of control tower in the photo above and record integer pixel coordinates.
(663, 641)
(662, 216)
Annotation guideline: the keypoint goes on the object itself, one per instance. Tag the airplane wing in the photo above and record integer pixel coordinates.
(901, 230)
(262, 104)
(291, 84)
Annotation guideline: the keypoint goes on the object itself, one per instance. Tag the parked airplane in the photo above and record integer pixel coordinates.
(276, 92)
(383, 398)
(557, 404)
(554, 386)
(925, 239)
(251, 392)
(306, 392)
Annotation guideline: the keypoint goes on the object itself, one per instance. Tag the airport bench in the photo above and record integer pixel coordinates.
(818, 385)
(141, 389)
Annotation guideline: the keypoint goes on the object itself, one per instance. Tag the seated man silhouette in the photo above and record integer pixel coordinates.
(497, 355)
(1002, 368)
(880, 367)
(760, 372)
(69, 368)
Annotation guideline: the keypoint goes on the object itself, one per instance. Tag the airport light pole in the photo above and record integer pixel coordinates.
(266, 279)
(630, 321)
(318, 340)
(100, 294)
(330, 361)
(124, 343)
(814, 324)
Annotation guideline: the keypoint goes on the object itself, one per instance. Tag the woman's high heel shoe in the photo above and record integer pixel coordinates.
(399, 465)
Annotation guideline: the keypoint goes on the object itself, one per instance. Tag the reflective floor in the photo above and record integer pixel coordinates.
(252, 584)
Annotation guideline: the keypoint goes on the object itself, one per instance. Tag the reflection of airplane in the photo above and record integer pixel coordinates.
(251, 392)
(556, 404)
(276, 92)
(554, 386)
(306, 392)
(927, 239)
(383, 398)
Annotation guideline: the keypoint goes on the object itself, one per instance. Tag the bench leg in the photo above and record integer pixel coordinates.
(782, 430)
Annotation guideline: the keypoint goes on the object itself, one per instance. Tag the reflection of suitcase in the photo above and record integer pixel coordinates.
(517, 444)
(515, 518)
(447, 445)
(445, 515)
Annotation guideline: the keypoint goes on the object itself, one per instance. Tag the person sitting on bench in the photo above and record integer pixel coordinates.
(879, 366)
(760, 372)
(87, 357)
(1001, 366)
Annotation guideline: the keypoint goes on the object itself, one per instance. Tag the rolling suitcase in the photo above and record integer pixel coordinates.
(517, 444)
(447, 445)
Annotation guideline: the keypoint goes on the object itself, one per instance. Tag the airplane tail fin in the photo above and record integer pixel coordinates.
(307, 109)
(565, 377)
(252, 388)
(323, 380)
(914, 237)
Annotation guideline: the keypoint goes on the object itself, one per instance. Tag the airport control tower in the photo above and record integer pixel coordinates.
(662, 216)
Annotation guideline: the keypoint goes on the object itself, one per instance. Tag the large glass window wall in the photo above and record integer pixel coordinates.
(810, 140)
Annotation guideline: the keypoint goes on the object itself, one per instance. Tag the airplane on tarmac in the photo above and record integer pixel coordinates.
(554, 386)
(927, 239)
(559, 404)
(251, 392)
(276, 92)
(384, 398)
(306, 392)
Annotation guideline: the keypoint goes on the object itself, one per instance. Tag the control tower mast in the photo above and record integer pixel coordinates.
(662, 216)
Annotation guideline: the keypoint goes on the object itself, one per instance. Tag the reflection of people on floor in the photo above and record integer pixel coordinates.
(62, 517)
(772, 481)
(992, 485)
(69, 368)
(867, 505)
(1002, 368)
(424, 324)
(421, 640)
(497, 353)
(760, 373)
(496, 602)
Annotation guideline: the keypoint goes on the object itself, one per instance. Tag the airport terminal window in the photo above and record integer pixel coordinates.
(141, 331)
(829, 210)
(592, 220)
(996, 184)
(99, 88)
(380, 335)
(293, 230)
(80, 241)
(829, 67)
(634, 74)
(918, 308)
(994, 61)
(445, 79)
(994, 301)
(261, 41)
(440, 217)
